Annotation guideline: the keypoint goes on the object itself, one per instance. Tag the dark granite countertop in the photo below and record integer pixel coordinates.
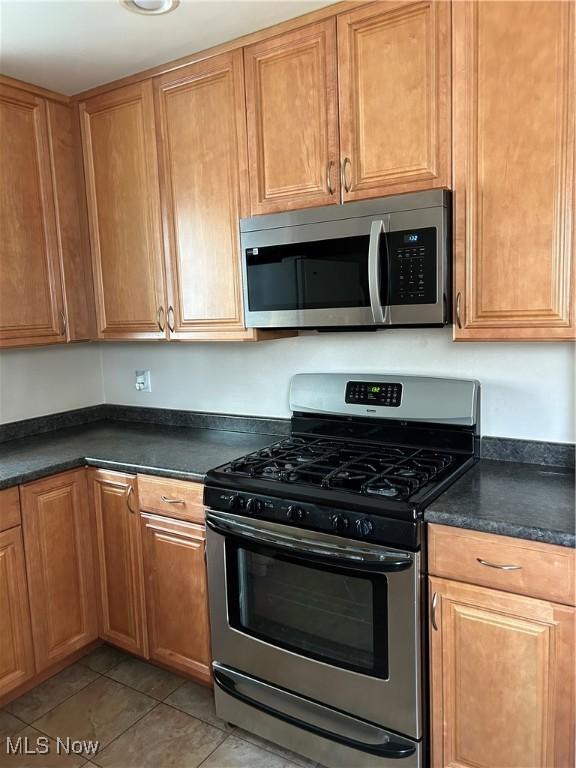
(527, 501)
(182, 452)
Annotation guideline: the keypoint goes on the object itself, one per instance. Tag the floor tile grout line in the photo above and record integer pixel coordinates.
(156, 705)
(56, 705)
(224, 740)
(138, 690)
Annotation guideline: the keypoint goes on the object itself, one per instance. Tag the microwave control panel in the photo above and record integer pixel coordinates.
(412, 259)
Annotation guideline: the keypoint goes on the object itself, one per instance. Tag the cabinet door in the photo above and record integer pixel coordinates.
(70, 200)
(120, 576)
(502, 679)
(291, 102)
(16, 652)
(124, 212)
(394, 86)
(204, 190)
(176, 595)
(31, 308)
(60, 566)
(514, 174)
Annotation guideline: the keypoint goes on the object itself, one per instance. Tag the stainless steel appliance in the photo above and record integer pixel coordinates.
(376, 263)
(314, 552)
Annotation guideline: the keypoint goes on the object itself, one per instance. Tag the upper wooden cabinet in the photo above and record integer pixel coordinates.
(124, 212)
(292, 113)
(119, 555)
(514, 177)
(31, 302)
(394, 98)
(202, 134)
(45, 282)
(60, 565)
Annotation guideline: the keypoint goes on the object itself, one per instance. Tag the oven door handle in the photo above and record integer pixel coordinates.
(311, 716)
(377, 228)
(305, 543)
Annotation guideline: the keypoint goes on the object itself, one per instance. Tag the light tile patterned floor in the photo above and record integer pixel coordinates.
(143, 717)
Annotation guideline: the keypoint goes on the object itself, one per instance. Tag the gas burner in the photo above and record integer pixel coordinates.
(368, 469)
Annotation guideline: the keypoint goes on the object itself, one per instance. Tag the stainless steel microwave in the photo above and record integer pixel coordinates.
(375, 263)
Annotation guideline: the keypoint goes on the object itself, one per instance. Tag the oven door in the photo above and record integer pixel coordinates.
(324, 274)
(334, 620)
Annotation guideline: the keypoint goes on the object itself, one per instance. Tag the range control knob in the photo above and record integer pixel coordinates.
(237, 503)
(295, 514)
(364, 527)
(253, 507)
(340, 522)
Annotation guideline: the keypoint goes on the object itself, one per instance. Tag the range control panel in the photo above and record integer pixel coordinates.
(374, 393)
(413, 272)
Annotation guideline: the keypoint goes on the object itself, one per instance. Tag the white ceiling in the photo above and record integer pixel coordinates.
(72, 45)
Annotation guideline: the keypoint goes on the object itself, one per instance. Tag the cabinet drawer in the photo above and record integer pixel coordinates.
(538, 570)
(9, 508)
(174, 498)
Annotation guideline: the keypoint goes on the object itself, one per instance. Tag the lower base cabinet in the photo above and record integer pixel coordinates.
(176, 594)
(59, 565)
(16, 651)
(118, 547)
(502, 679)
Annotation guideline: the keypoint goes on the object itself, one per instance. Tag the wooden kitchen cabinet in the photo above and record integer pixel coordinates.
(16, 651)
(394, 98)
(202, 140)
(514, 173)
(176, 595)
(59, 565)
(292, 115)
(119, 554)
(122, 188)
(502, 679)
(31, 301)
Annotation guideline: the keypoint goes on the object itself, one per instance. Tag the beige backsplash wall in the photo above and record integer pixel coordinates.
(527, 388)
(34, 382)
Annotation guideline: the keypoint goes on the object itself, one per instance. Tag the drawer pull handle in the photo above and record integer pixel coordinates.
(499, 567)
(128, 495)
(172, 501)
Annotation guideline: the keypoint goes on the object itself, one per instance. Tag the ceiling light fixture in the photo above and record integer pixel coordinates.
(150, 7)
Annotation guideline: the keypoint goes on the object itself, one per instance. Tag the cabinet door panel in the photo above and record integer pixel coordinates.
(514, 137)
(60, 566)
(30, 281)
(204, 191)
(16, 651)
(176, 595)
(124, 212)
(120, 578)
(502, 679)
(291, 95)
(394, 85)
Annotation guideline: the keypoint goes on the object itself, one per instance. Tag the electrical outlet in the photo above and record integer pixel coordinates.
(142, 382)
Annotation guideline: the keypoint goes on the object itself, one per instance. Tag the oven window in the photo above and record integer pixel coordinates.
(336, 615)
(323, 274)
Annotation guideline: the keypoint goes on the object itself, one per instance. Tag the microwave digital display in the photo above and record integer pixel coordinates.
(411, 237)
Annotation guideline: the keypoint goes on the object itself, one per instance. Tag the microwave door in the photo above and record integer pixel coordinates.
(379, 270)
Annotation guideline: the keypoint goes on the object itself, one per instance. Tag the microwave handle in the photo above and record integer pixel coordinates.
(377, 228)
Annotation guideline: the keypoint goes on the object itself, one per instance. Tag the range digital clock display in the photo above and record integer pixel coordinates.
(387, 394)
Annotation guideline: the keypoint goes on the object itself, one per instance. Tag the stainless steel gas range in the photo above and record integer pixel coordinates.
(315, 560)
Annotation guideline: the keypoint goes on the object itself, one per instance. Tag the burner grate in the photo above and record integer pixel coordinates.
(394, 472)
